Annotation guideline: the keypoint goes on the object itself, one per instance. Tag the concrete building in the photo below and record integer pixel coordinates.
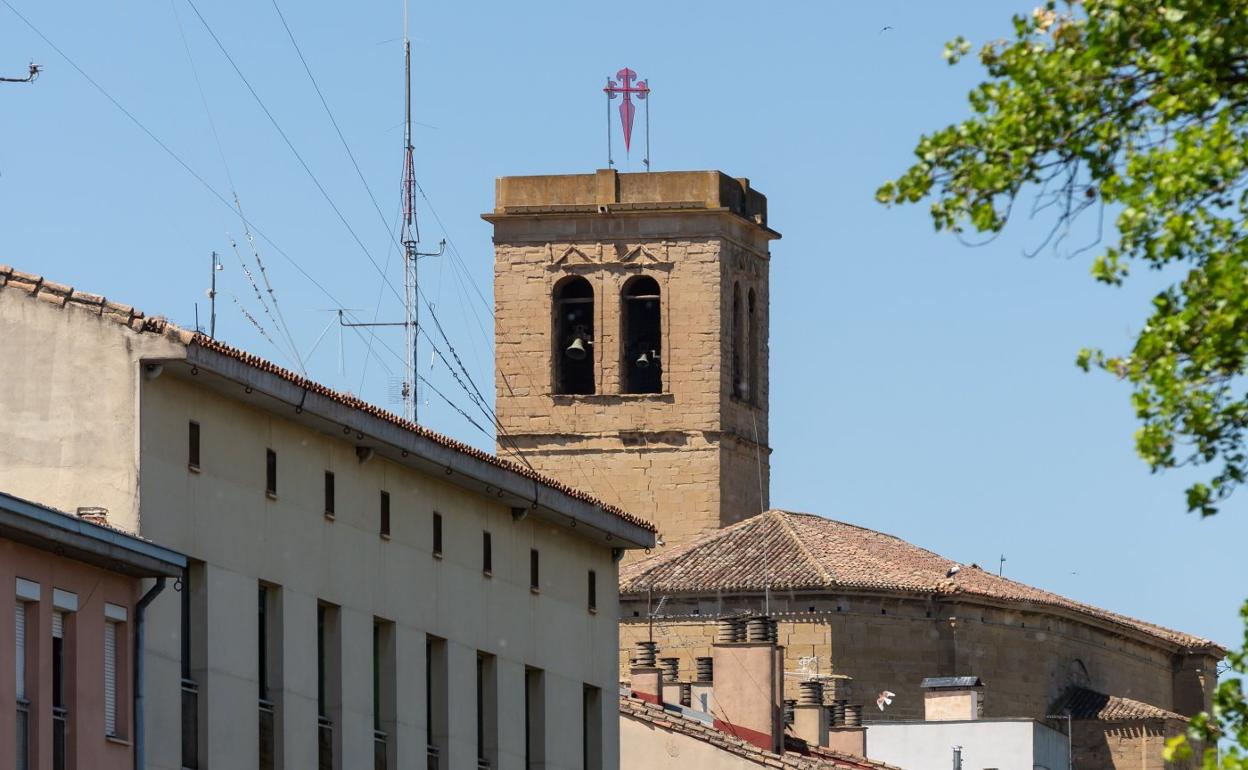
(600, 276)
(360, 590)
(980, 744)
(75, 612)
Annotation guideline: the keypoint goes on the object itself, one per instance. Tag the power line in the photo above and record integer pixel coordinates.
(194, 175)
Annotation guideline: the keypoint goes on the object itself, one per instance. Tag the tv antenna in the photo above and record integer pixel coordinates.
(31, 74)
(409, 237)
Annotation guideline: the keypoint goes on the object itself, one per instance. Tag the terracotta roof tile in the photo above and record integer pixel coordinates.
(1090, 704)
(821, 759)
(802, 551)
(126, 315)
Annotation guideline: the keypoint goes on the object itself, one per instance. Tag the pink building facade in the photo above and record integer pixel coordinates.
(72, 594)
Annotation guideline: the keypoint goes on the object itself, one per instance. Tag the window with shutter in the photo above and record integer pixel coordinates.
(58, 625)
(110, 678)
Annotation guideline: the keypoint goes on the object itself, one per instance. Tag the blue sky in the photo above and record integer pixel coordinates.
(919, 386)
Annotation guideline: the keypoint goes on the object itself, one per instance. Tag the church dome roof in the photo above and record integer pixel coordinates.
(786, 551)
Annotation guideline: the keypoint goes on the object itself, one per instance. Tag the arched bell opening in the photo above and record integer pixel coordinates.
(573, 336)
(641, 335)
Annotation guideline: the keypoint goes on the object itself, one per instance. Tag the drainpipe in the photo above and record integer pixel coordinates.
(140, 745)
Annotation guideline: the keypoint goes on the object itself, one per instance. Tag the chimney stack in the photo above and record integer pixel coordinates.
(700, 692)
(669, 669)
(810, 717)
(952, 698)
(93, 514)
(748, 679)
(645, 677)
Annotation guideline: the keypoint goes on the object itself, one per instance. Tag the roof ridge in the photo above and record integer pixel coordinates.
(61, 295)
(823, 573)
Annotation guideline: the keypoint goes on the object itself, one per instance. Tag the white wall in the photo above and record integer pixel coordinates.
(1001, 744)
(222, 516)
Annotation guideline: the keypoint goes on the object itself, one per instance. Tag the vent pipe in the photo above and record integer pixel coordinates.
(705, 669)
(646, 654)
(670, 668)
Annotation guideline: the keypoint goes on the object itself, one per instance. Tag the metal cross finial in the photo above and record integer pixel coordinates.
(626, 88)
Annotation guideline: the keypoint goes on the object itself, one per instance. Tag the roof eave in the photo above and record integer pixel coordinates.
(409, 448)
(38, 526)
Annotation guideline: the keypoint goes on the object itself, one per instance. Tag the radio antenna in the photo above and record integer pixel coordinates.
(409, 237)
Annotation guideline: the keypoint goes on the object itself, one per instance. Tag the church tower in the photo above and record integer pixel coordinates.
(631, 317)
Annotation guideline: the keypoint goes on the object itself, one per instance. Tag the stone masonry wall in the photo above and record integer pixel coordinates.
(686, 458)
(1025, 658)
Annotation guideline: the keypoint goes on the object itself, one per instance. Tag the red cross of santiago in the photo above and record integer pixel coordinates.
(627, 89)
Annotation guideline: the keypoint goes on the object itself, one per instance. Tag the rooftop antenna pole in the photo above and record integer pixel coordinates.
(1001, 565)
(409, 236)
(212, 296)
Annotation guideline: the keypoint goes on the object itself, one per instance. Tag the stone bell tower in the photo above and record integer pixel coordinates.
(631, 317)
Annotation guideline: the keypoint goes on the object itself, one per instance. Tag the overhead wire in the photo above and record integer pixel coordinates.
(202, 182)
(280, 322)
(466, 382)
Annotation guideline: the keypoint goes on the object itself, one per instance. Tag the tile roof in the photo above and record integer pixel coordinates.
(802, 551)
(61, 295)
(672, 721)
(1090, 704)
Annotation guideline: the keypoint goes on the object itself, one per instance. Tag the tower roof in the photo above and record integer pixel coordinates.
(784, 551)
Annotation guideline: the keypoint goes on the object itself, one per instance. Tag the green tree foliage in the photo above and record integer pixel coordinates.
(1136, 107)
(1136, 110)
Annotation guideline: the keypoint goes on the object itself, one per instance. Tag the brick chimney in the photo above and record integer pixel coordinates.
(951, 698)
(645, 676)
(748, 681)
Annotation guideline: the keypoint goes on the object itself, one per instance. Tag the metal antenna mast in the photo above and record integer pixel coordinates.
(409, 236)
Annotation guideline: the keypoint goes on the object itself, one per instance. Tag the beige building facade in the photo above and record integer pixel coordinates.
(361, 591)
(631, 339)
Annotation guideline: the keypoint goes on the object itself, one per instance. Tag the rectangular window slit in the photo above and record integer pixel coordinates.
(192, 452)
(270, 473)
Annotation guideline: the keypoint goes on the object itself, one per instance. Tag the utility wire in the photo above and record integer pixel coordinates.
(313, 176)
(203, 183)
(290, 145)
(280, 323)
(471, 389)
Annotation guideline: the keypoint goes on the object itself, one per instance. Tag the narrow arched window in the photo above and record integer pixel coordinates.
(574, 337)
(641, 333)
(738, 355)
(751, 350)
